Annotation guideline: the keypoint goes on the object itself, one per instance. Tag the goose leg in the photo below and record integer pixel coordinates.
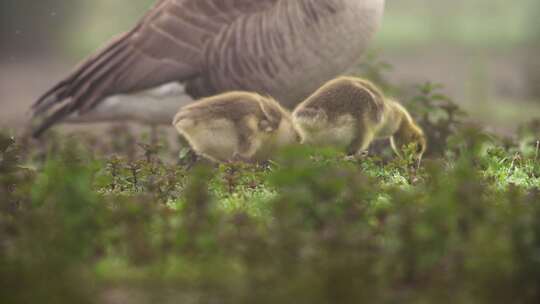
(358, 147)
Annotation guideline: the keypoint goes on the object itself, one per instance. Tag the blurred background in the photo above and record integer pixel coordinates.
(485, 52)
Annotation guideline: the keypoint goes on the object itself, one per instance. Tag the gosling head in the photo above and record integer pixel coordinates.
(310, 121)
(286, 132)
(409, 134)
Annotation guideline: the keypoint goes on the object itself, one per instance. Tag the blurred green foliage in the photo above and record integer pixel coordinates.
(470, 24)
(77, 225)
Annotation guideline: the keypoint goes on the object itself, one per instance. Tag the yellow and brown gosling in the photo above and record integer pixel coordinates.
(350, 113)
(236, 126)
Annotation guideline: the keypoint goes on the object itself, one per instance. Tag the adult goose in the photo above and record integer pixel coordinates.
(182, 50)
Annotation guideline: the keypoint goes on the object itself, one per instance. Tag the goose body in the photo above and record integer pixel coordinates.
(183, 50)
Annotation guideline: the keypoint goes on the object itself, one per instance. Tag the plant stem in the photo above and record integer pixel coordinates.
(537, 149)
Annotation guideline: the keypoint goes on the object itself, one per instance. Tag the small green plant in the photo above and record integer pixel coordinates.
(439, 116)
(316, 226)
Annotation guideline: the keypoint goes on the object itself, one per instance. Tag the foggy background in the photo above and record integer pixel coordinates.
(485, 52)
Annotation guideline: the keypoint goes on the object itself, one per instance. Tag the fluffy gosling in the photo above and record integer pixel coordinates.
(236, 126)
(350, 113)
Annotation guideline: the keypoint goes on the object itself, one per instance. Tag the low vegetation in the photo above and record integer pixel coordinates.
(86, 220)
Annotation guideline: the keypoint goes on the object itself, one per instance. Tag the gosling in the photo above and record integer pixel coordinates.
(236, 126)
(349, 113)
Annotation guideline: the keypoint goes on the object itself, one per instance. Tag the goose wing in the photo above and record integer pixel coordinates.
(166, 45)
